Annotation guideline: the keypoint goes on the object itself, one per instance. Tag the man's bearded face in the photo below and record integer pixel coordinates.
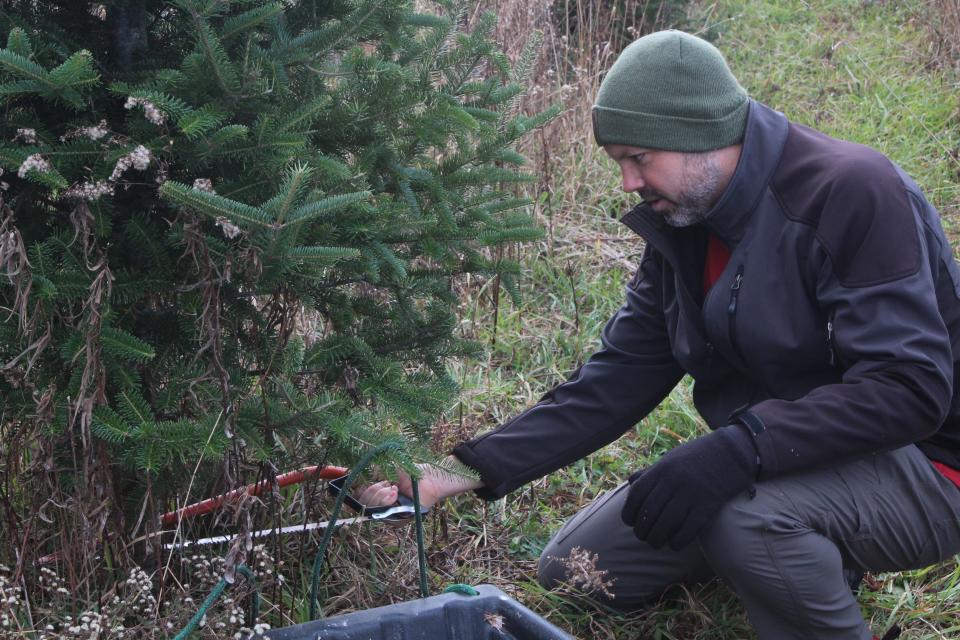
(680, 186)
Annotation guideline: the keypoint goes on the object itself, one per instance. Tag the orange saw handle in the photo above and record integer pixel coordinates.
(286, 479)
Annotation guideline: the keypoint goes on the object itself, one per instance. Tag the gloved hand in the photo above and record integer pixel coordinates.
(673, 500)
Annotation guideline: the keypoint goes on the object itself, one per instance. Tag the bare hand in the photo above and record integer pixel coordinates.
(435, 484)
(378, 494)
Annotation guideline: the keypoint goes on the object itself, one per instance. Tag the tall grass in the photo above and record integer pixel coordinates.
(945, 27)
(581, 40)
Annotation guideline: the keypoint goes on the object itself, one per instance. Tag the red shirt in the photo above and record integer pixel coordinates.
(718, 255)
(717, 258)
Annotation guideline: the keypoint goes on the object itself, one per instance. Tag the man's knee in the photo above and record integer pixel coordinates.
(742, 526)
(591, 531)
(551, 570)
(577, 570)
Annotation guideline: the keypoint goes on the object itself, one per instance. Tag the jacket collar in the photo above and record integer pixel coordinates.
(763, 142)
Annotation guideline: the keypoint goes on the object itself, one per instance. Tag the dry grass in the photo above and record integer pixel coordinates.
(575, 182)
(945, 28)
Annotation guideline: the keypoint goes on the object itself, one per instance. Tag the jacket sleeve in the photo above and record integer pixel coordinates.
(621, 383)
(875, 282)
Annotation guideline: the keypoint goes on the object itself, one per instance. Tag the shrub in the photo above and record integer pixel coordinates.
(228, 235)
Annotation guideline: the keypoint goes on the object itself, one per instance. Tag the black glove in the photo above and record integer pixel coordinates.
(672, 501)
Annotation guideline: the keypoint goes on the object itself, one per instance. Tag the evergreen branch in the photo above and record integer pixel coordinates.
(505, 94)
(198, 122)
(216, 56)
(16, 64)
(293, 141)
(19, 42)
(461, 117)
(13, 157)
(324, 255)
(226, 135)
(508, 204)
(454, 468)
(148, 458)
(510, 156)
(486, 176)
(43, 287)
(509, 282)
(320, 208)
(73, 153)
(172, 106)
(539, 119)
(121, 344)
(109, 426)
(212, 205)
(122, 374)
(391, 258)
(331, 168)
(516, 234)
(134, 408)
(332, 35)
(75, 72)
(304, 115)
(290, 192)
(249, 19)
(479, 113)
(426, 20)
(72, 348)
(19, 87)
(521, 74)
(410, 197)
(336, 349)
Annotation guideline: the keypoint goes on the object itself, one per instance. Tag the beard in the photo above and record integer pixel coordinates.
(700, 184)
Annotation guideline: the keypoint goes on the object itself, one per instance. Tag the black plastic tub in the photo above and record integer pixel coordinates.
(492, 615)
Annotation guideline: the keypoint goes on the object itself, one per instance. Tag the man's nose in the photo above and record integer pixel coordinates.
(631, 181)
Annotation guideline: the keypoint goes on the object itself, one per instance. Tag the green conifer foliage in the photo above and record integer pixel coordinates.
(228, 235)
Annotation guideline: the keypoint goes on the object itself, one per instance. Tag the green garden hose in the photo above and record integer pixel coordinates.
(254, 610)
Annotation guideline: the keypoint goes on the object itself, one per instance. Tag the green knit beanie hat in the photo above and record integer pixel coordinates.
(670, 90)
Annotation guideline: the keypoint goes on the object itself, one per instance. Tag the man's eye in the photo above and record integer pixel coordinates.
(640, 157)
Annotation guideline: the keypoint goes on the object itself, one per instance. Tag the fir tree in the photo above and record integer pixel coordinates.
(228, 236)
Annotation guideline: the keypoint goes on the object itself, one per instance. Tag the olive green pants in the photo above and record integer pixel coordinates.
(783, 550)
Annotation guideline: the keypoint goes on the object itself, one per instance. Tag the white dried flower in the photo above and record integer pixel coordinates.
(150, 110)
(89, 191)
(27, 135)
(203, 184)
(35, 162)
(229, 229)
(95, 132)
(139, 159)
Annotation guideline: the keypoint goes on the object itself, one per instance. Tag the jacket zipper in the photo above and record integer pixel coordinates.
(831, 350)
(732, 310)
